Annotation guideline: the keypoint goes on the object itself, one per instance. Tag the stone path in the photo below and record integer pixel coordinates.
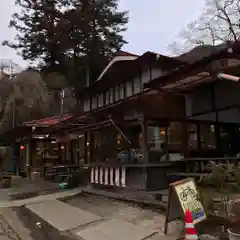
(88, 225)
(83, 217)
(114, 229)
(48, 197)
(62, 216)
(6, 231)
(121, 220)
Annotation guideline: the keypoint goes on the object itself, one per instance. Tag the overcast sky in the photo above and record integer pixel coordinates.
(153, 24)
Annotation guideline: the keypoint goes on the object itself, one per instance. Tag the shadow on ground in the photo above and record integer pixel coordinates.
(45, 231)
(26, 188)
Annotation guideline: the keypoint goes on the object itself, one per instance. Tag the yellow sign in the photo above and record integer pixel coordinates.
(189, 199)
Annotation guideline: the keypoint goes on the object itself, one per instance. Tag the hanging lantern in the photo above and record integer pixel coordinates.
(162, 132)
(118, 138)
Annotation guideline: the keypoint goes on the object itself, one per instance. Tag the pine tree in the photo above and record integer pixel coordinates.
(38, 32)
(72, 37)
(96, 31)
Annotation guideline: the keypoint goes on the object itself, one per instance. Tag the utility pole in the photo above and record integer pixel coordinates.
(13, 113)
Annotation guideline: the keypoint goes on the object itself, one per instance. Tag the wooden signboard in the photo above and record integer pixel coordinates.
(182, 196)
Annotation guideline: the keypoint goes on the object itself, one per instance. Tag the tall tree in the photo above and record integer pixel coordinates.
(39, 38)
(219, 22)
(72, 37)
(95, 32)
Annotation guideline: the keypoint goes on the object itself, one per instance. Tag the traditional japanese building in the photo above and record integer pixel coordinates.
(37, 148)
(212, 113)
(147, 116)
(123, 127)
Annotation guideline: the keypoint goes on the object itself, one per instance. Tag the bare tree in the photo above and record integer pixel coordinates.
(26, 98)
(220, 22)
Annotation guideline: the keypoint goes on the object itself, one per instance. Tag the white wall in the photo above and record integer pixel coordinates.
(156, 72)
(132, 87)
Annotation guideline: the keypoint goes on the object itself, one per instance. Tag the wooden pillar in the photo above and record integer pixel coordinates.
(85, 148)
(215, 109)
(165, 149)
(59, 152)
(88, 147)
(91, 146)
(144, 143)
(67, 148)
(76, 151)
(185, 138)
(28, 158)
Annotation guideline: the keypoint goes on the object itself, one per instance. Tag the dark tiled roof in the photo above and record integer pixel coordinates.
(123, 53)
(200, 52)
(197, 60)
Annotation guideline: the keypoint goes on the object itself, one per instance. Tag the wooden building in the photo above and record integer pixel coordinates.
(37, 148)
(120, 118)
(149, 115)
(170, 109)
(212, 115)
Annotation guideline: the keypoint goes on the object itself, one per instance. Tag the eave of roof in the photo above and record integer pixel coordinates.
(131, 68)
(116, 59)
(87, 117)
(192, 69)
(46, 122)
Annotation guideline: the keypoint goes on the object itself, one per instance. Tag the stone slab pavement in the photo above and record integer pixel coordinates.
(62, 216)
(41, 198)
(84, 217)
(11, 218)
(6, 231)
(114, 229)
(119, 218)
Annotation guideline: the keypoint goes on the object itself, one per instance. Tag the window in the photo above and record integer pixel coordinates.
(136, 85)
(229, 139)
(94, 102)
(86, 106)
(175, 136)
(111, 95)
(100, 100)
(207, 136)
(156, 138)
(192, 136)
(107, 97)
(117, 93)
(129, 88)
(146, 75)
(122, 91)
(97, 101)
